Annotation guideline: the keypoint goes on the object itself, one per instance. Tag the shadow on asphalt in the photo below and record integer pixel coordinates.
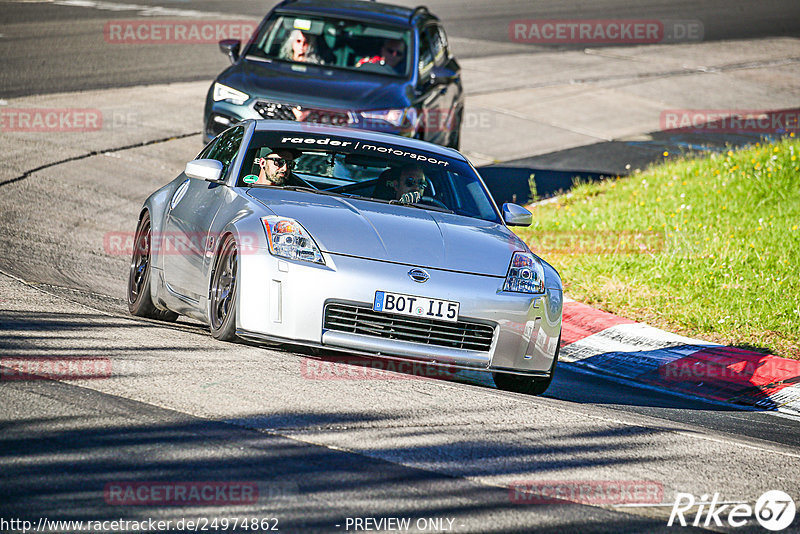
(59, 455)
(78, 360)
(554, 172)
(72, 468)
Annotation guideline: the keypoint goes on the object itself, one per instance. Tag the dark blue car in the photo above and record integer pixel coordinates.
(351, 63)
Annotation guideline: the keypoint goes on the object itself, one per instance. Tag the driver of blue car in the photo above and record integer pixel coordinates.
(392, 53)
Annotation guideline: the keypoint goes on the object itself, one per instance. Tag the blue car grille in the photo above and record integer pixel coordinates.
(363, 320)
(288, 112)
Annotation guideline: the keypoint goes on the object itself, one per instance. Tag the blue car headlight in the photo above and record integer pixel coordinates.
(229, 94)
(396, 117)
(525, 274)
(288, 239)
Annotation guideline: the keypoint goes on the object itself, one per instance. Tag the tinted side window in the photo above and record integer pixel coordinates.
(226, 148)
(436, 45)
(425, 55)
(445, 47)
(208, 148)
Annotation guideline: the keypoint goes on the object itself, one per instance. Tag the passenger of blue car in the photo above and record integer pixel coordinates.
(300, 47)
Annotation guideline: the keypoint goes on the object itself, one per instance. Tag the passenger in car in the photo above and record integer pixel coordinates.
(391, 54)
(301, 47)
(406, 184)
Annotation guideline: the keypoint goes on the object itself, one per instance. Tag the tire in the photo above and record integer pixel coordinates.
(140, 302)
(526, 384)
(224, 288)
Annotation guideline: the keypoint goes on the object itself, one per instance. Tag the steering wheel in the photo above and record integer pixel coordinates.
(433, 201)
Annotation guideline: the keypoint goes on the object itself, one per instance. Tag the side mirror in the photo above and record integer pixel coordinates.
(515, 215)
(442, 76)
(231, 47)
(209, 170)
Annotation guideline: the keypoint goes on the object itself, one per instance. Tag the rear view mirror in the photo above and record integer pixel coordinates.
(231, 47)
(515, 215)
(442, 76)
(364, 161)
(209, 170)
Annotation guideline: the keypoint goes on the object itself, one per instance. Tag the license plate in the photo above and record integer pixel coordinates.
(444, 310)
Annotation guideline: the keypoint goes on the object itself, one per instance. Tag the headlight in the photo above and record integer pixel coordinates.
(288, 239)
(395, 117)
(525, 274)
(223, 92)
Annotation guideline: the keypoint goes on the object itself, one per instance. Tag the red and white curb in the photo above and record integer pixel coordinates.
(609, 344)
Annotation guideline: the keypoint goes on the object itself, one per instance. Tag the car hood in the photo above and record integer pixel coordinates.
(400, 234)
(314, 85)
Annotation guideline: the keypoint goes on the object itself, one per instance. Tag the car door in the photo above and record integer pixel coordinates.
(452, 99)
(186, 241)
(438, 100)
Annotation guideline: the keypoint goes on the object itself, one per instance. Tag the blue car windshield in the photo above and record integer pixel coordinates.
(351, 45)
(370, 170)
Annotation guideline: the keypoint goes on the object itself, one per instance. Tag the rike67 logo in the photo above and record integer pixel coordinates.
(774, 510)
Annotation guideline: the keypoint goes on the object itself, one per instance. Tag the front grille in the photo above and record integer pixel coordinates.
(287, 112)
(363, 320)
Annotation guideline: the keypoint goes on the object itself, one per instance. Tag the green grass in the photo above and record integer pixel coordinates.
(708, 247)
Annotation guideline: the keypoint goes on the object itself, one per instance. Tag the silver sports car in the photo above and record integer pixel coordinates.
(355, 241)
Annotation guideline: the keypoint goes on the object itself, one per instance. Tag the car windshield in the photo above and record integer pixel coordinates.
(332, 42)
(368, 170)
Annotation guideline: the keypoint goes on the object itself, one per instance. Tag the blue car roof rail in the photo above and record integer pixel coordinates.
(419, 10)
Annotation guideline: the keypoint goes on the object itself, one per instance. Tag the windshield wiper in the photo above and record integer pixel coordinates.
(431, 207)
(311, 190)
(328, 192)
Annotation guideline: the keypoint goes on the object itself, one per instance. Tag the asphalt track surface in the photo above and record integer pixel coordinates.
(57, 45)
(183, 407)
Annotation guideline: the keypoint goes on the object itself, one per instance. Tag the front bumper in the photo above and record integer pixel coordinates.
(284, 301)
(219, 116)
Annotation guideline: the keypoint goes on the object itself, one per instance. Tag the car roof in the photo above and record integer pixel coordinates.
(303, 128)
(354, 9)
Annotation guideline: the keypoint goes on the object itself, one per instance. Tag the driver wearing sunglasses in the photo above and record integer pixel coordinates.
(406, 184)
(276, 169)
(391, 54)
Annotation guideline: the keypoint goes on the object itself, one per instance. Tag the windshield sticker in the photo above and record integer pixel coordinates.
(405, 154)
(327, 141)
(250, 179)
(312, 141)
